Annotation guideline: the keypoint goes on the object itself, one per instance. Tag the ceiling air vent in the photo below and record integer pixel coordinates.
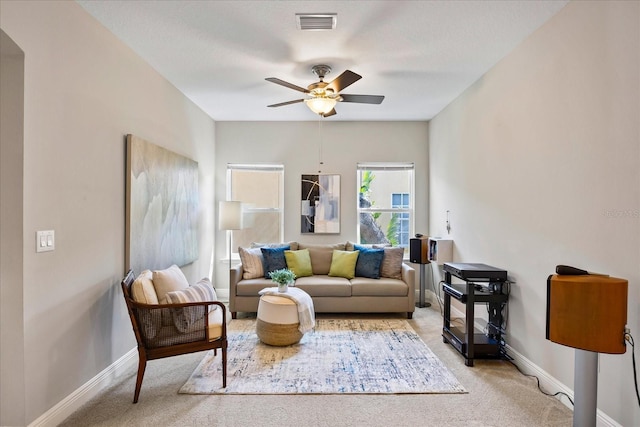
(316, 21)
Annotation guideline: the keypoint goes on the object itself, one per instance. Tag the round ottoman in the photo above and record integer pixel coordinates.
(277, 322)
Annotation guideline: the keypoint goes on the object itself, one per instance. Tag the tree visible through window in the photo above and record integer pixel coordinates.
(385, 203)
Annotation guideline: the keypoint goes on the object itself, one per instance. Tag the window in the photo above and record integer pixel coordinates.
(401, 201)
(385, 207)
(260, 188)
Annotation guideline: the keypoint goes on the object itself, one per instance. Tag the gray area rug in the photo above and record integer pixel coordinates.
(339, 356)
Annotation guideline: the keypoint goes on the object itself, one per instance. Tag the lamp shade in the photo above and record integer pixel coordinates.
(230, 215)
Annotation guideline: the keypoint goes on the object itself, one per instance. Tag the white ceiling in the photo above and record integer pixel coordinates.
(420, 54)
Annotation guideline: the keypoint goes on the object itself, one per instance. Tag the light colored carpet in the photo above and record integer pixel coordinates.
(368, 356)
(497, 396)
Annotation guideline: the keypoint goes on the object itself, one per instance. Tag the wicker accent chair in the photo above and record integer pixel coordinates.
(157, 340)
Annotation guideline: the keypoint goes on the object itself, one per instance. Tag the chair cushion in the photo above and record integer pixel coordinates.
(392, 263)
(343, 264)
(274, 259)
(168, 280)
(252, 260)
(184, 318)
(142, 289)
(299, 262)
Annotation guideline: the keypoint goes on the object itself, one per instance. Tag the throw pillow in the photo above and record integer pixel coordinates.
(392, 263)
(343, 264)
(369, 262)
(251, 260)
(350, 246)
(273, 259)
(170, 279)
(292, 245)
(299, 262)
(185, 317)
(142, 289)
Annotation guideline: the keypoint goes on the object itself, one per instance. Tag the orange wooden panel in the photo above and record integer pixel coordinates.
(587, 312)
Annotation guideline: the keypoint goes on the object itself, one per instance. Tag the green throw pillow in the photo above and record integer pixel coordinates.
(299, 262)
(343, 264)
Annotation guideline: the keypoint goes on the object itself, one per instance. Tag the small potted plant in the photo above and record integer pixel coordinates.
(283, 277)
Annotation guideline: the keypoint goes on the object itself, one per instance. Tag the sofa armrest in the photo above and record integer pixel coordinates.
(235, 275)
(409, 277)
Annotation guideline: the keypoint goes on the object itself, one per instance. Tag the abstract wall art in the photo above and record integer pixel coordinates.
(161, 207)
(320, 204)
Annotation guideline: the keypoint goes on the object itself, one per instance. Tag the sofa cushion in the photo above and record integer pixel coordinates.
(384, 286)
(252, 260)
(168, 280)
(142, 289)
(184, 318)
(299, 262)
(392, 263)
(321, 256)
(325, 286)
(369, 262)
(251, 287)
(343, 264)
(274, 259)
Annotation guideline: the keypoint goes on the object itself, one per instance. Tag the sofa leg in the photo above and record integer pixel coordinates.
(409, 314)
(234, 314)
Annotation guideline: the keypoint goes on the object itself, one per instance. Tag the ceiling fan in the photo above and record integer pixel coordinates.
(324, 96)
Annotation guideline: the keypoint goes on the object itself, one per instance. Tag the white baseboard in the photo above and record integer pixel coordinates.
(88, 391)
(547, 382)
(223, 294)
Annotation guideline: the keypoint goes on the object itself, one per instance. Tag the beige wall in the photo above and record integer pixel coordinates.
(344, 144)
(11, 211)
(539, 164)
(84, 91)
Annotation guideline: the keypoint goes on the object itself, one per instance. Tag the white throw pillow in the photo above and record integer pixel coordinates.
(185, 318)
(168, 280)
(251, 259)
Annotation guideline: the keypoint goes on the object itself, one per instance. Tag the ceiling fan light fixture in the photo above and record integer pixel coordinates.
(320, 105)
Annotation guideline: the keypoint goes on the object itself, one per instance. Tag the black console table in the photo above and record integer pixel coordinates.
(482, 284)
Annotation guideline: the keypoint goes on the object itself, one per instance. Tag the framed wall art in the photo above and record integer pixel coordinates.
(320, 204)
(162, 207)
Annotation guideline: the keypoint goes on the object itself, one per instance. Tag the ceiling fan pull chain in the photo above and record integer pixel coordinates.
(320, 162)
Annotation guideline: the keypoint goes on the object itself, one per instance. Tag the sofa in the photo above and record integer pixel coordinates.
(340, 278)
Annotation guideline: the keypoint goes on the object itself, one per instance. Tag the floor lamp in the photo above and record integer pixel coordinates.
(588, 312)
(230, 218)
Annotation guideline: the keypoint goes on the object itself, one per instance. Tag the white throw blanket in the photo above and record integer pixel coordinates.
(306, 314)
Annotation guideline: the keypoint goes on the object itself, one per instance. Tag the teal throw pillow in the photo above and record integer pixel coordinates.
(369, 262)
(273, 259)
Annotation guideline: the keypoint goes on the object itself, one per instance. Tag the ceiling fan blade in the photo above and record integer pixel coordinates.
(286, 103)
(363, 99)
(343, 80)
(330, 113)
(286, 84)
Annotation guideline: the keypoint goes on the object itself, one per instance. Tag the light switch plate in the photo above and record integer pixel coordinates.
(45, 241)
